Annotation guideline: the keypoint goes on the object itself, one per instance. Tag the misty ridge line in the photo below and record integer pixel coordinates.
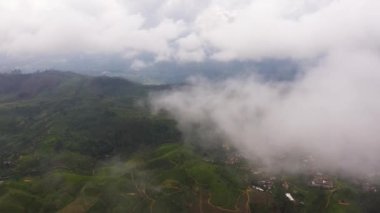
(330, 113)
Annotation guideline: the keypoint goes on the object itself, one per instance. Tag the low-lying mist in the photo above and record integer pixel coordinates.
(331, 112)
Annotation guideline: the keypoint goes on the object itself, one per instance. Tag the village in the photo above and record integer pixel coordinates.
(314, 178)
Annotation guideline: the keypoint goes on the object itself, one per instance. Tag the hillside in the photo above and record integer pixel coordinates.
(74, 143)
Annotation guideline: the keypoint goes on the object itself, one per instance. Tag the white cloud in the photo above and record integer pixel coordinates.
(226, 30)
(284, 29)
(190, 48)
(69, 27)
(138, 65)
(332, 113)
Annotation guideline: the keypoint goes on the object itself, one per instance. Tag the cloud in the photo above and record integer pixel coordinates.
(190, 48)
(289, 29)
(217, 30)
(331, 113)
(72, 27)
(138, 65)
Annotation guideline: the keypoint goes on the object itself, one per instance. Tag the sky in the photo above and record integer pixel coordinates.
(37, 34)
(330, 109)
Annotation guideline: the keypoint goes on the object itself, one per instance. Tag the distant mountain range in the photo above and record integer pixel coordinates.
(170, 72)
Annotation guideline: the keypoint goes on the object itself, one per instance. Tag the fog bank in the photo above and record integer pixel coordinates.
(331, 112)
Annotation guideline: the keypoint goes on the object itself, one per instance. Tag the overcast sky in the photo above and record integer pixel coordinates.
(38, 32)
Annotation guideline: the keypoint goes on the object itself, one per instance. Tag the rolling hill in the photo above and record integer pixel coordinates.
(74, 143)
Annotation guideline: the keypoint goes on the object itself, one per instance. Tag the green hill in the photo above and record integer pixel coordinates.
(74, 143)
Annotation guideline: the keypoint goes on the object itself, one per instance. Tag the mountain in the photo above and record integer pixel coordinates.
(75, 143)
(174, 73)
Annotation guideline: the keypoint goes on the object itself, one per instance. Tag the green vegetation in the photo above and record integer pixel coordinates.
(73, 143)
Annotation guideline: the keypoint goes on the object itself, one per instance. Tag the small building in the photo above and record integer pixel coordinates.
(290, 197)
(322, 181)
(267, 185)
(368, 187)
(257, 188)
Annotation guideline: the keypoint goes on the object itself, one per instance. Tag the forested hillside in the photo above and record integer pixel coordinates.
(73, 143)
